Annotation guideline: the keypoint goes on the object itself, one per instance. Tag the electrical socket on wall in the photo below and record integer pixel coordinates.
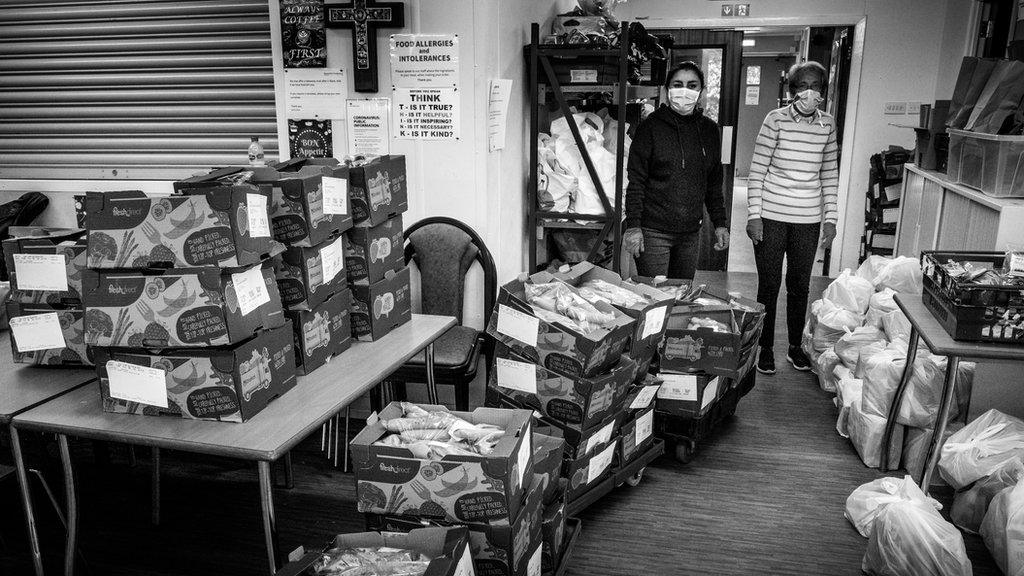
(895, 108)
(913, 107)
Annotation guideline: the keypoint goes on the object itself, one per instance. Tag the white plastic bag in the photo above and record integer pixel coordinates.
(556, 185)
(849, 346)
(921, 400)
(824, 367)
(881, 304)
(903, 274)
(849, 292)
(864, 356)
(1003, 529)
(910, 538)
(866, 434)
(896, 325)
(588, 198)
(915, 450)
(970, 506)
(832, 322)
(984, 445)
(882, 375)
(868, 500)
(870, 267)
(848, 394)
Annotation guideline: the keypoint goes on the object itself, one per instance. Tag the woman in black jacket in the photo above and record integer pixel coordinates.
(675, 171)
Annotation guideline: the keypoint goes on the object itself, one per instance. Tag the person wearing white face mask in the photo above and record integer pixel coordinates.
(792, 203)
(675, 171)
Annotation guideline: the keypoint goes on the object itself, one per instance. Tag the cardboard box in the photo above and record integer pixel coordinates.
(391, 480)
(689, 395)
(578, 444)
(322, 333)
(379, 190)
(554, 346)
(552, 536)
(499, 549)
(547, 465)
(72, 326)
(587, 471)
(225, 384)
(379, 308)
(373, 251)
(642, 395)
(182, 307)
(729, 354)
(644, 359)
(578, 403)
(447, 548)
(636, 436)
(309, 199)
(308, 276)
(33, 263)
(212, 225)
(650, 316)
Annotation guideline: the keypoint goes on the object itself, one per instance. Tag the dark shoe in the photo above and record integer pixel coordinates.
(766, 361)
(798, 359)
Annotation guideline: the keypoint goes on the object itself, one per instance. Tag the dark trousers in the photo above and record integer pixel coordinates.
(670, 255)
(798, 243)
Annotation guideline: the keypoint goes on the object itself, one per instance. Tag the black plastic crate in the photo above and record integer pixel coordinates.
(965, 292)
(975, 323)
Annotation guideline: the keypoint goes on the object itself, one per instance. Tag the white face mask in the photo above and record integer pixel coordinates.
(683, 100)
(807, 101)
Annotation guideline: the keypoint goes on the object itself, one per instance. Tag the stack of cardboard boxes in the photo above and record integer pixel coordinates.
(182, 311)
(45, 302)
(375, 247)
(497, 496)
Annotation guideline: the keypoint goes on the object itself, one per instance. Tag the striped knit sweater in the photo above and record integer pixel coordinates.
(794, 175)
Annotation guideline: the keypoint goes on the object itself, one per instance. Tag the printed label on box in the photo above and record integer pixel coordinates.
(533, 568)
(256, 209)
(643, 399)
(333, 258)
(678, 387)
(515, 324)
(517, 375)
(465, 564)
(600, 463)
(644, 426)
(41, 272)
(523, 458)
(710, 393)
(335, 195)
(136, 383)
(250, 289)
(37, 332)
(602, 437)
(589, 76)
(653, 321)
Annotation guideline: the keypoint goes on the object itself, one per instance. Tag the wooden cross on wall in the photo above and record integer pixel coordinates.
(364, 17)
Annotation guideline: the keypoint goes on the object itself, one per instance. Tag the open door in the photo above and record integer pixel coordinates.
(718, 52)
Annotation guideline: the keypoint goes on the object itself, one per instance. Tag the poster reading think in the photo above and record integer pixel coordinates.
(303, 38)
(310, 139)
(425, 61)
(426, 113)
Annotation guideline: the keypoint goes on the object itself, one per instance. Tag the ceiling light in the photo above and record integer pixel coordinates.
(748, 42)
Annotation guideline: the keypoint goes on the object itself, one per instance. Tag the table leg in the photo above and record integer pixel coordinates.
(72, 505)
(26, 500)
(267, 509)
(894, 409)
(431, 384)
(289, 480)
(156, 486)
(935, 446)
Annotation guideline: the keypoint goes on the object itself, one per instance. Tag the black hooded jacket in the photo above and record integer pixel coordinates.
(675, 170)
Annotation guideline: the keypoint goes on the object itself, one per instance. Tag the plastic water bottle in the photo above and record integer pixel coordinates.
(256, 153)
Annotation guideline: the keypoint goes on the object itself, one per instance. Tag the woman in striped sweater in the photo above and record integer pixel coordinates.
(792, 195)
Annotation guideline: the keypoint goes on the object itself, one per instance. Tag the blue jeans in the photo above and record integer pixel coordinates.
(670, 255)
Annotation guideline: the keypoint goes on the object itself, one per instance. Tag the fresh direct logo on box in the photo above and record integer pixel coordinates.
(394, 469)
(123, 289)
(126, 212)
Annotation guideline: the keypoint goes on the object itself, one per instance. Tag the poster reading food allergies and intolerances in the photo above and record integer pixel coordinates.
(310, 139)
(304, 39)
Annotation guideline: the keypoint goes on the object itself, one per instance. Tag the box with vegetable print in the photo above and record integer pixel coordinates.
(379, 189)
(183, 307)
(577, 403)
(553, 535)
(586, 471)
(323, 332)
(308, 276)
(530, 317)
(44, 334)
(636, 435)
(379, 308)
(428, 462)
(309, 199)
(215, 225)
(45, 265)
(689, 395)
(713, 334)
(372, 252)
(579, 444)
(547, 465)
(225, 384)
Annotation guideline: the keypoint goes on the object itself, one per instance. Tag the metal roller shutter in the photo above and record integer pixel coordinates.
(141, 89)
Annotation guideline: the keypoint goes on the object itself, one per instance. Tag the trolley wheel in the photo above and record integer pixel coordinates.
(635, 479)
(685, 450)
